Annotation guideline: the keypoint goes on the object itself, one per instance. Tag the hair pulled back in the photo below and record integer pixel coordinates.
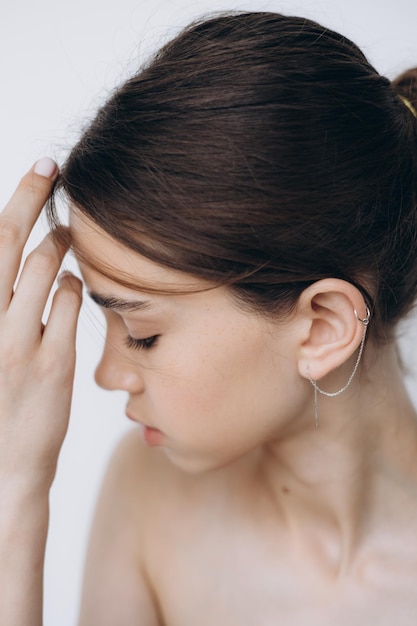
(262, 152)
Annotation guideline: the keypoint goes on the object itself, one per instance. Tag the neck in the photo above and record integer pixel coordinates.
(331, 484)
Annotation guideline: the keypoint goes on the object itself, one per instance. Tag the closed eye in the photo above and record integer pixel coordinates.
(141, 344)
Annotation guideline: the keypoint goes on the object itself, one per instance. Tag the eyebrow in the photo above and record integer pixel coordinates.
(117, 304)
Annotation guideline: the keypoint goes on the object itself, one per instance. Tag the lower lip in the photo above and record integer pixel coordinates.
(152, 436)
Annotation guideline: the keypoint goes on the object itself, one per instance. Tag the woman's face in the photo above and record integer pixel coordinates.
(215, 381)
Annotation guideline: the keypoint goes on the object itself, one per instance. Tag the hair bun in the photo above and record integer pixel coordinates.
(406, 86)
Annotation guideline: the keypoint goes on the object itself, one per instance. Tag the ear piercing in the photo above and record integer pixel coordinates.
(333, 394)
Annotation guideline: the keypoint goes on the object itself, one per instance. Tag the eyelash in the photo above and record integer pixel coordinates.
(141, 344)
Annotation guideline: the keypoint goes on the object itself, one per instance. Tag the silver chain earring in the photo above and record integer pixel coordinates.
(329, 394)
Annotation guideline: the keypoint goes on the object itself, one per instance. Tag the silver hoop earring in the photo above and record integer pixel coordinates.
(329, 394)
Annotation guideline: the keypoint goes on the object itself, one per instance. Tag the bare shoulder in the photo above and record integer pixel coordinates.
(116, 589)
(148, 509)
(137, 476)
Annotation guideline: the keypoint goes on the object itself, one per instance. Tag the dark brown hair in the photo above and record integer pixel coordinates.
(263, 152)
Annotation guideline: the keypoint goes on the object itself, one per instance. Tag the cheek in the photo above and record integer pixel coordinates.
(227, 387)
(188, 385)
(218, 405)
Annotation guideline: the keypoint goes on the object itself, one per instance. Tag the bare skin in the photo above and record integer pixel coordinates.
(233, 520)
(243, 513)
(36, 374)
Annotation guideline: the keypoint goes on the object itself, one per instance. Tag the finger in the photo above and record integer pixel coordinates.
(17, 220)
(34, 286)
(60, 331)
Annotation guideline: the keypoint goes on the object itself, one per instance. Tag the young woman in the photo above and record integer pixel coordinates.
(244, 212)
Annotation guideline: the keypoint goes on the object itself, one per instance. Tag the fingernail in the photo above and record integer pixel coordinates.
(46, 167)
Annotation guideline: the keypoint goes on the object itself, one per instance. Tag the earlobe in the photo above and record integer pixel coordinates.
(336, 319)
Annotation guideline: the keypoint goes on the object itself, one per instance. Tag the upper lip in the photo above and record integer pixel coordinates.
(132, 417)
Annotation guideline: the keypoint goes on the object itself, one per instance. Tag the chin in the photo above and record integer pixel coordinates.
(196, 464)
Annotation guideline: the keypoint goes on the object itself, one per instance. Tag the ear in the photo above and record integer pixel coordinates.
(332, 331)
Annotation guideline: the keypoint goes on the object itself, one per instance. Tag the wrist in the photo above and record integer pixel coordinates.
(26, 482)
(23, 533)
(21, 491)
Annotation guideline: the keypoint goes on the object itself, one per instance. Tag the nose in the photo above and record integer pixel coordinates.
(115, 371)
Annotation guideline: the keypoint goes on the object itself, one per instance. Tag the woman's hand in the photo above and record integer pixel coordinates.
(36, 362)
(36, 375)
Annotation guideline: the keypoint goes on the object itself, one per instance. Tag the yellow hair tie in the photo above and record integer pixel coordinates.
(408, 105)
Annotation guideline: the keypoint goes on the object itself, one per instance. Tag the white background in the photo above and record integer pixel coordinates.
(58, 60)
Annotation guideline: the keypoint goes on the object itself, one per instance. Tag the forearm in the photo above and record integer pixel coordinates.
(23, 531)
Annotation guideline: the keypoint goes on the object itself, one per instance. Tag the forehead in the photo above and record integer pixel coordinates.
(99, 254)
